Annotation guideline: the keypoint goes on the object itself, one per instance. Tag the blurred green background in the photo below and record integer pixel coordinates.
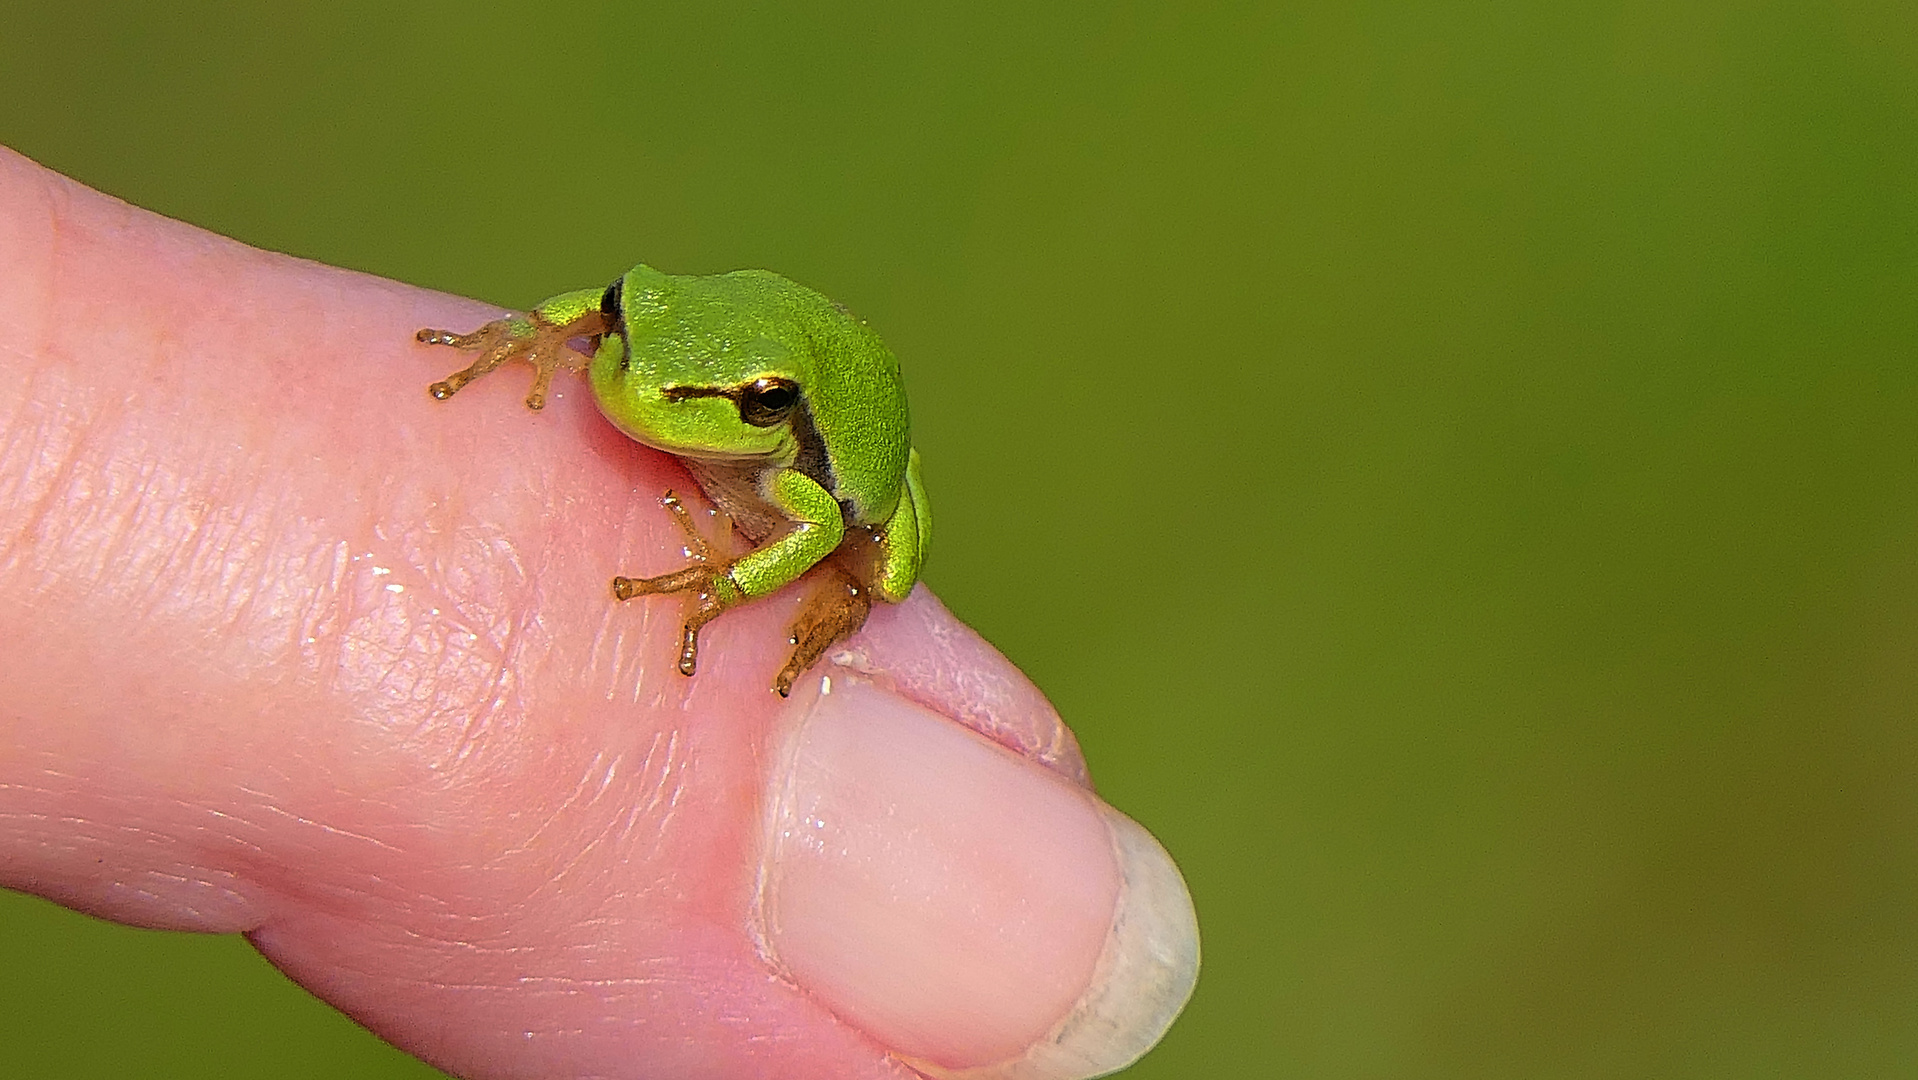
(1453, 463)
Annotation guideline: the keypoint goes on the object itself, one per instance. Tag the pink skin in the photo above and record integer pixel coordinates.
(294, 650)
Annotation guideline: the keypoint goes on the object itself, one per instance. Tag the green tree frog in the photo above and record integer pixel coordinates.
(788, 411)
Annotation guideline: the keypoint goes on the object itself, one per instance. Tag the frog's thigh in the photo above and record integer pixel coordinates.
(818, 526)
(907, 534)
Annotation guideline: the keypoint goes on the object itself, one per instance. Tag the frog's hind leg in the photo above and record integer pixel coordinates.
(834, 612)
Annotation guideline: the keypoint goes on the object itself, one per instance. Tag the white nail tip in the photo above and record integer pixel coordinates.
(1142, 980)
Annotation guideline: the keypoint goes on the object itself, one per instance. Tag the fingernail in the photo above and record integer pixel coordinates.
(977, 913)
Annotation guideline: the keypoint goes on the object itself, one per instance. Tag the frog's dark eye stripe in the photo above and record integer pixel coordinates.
(609, 303)
(764, 402)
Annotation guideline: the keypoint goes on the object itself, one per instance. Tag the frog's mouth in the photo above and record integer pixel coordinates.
(719, 457)
(702, 428)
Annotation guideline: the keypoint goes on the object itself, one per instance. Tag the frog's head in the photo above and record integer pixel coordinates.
(706, 367)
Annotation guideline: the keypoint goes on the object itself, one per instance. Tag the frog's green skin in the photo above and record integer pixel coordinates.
(787, 409)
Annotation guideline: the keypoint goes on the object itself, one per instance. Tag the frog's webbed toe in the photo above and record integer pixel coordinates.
(708, 579)
(545, 345)
(713, 592)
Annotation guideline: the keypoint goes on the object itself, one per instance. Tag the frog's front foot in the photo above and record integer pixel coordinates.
(709, 580)
(544, 344)
(713, 592)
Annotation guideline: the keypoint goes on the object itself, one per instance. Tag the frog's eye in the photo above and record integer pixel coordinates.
(765, 402)
(609, 300)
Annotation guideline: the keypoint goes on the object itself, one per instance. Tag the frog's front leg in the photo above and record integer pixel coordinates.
(708, 579)
(539, 337)
(818, 527)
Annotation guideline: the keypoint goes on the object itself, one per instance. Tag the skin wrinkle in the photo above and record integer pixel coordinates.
(454, 685)
(114, 508)
(585, 853)
(474, 679)
(185, 854)
(388, 651)
(600, 767)
(670, 777)
(502, 700)
(606, 651)
(266, 583)
(604, 780)
(27, 546)
(628, 823)
(632, 818)
(202, 564)
(156, 513)
(256, 604)
(92, 827)
(21, 444)
(464, 933)
(330, 611)
(198, 912)
(393, 650)
(23, 479)
(649, 780)
(332, 830)
(317, 841)
(379, 637)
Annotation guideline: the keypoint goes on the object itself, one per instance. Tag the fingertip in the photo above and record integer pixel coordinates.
(1143, 979)
(974, 911)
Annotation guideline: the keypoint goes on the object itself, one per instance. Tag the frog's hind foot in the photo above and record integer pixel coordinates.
(834, 612)
(543, 344)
